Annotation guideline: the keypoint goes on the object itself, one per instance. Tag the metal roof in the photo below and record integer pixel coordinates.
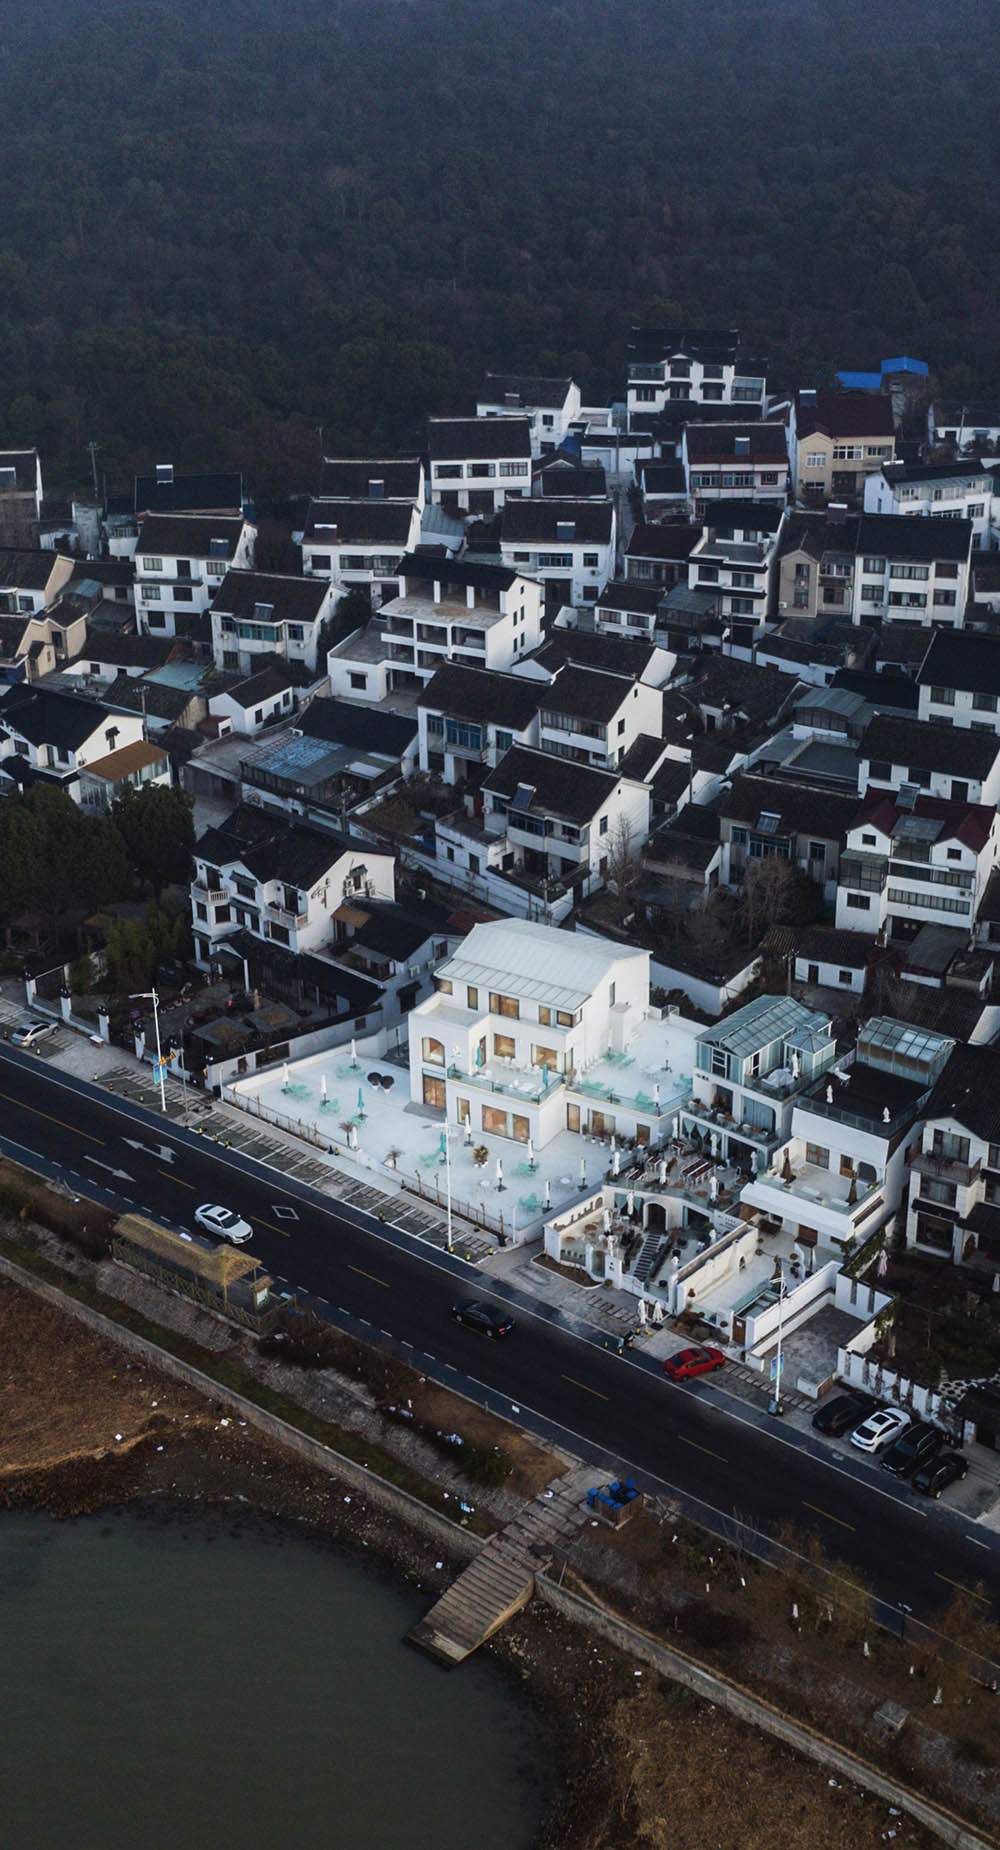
(538, 962)
(769, 1018)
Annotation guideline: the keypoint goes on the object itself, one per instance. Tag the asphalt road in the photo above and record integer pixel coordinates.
(617, 1411)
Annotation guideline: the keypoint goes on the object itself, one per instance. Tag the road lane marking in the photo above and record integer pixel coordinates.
(702, 1448)
(51, 1119)
(178, 1179)
(261, 1222)
(363, 1274)
(971, 1591)
(587, 1390)
(841, 1524)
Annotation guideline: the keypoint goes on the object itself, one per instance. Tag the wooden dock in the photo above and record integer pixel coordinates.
(501, 1579)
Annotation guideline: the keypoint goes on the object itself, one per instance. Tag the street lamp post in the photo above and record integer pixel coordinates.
(150, 995)
(776, 1406)
(447, 1178)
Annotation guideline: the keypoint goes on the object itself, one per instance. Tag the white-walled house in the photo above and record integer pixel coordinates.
(723, 461)
(550, 405)
(392, 478)
(735, 561)
(696, 365)
(248, 706)
(953, 1209)
(280, 882)
(959, 680)
(269, 613)
(842, 1171)
(568, 545)
(58, 735)
(358, 545)
(956, 490)
(518, 1014)
(562, 821)
(953, 762)
(912, 861)
(748, 1070)
(443, 610)
(593, 717)
(476, 463)
(181, 559)
(470, 717)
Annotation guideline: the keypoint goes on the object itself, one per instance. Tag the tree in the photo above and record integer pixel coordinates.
(767, 891)
(157, 826)
(624, 863)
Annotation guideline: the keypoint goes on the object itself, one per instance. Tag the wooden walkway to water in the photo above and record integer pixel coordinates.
(501, 1579)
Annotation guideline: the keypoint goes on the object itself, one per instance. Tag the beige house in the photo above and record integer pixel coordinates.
(835, 441)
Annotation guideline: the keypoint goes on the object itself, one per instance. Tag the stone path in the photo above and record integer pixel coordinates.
(501, 1579)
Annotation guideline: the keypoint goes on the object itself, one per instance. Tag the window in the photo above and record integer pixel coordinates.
(504, 1046)
(951, 1148)
(944, 1192)
(296, 632)
(356, 679)
(815, 459)
(738, 836)
(920, 573)
(768, 478)
(555, 561)
(943, 696)
(183, 594)
(473, 997)
(504, 740)
(603, 828)
(152, 565)
(844, 977)
(848, 452)
(447, 472)
(544, 1015)
(150, 594)
(481, 470)
(945, 569)
(495, 1120)
(504, 1005)
(545, 1056)
(591, 559)
(874, 565)
(817, 1155)
(858, 902)
(432, 1051)
(942, 598)
(513, 468)
(443, 985)
(566, 1020)
(881, 770)
(984, 703)
(976, 510)
(321, 561)
(817, 851)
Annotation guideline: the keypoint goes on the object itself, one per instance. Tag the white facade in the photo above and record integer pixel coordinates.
(955, 493)
(475, 616)
(568, 564)
(230, 897)
(554, 840)
(275, 620)
(904, 869)
(748, 1071)
(737, 567)
(679, 368)
(955, 1172)
(520, 1012)
(549, 405)
(242, 709)
(601, 741)
(74, 742)
(475, 463)
(180, 562)
(358, 545)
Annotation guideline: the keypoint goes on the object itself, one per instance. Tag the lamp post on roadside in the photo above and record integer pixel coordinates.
(775, 1405)
(150, 995)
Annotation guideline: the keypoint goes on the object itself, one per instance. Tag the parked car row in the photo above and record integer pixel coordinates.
(910, 1448)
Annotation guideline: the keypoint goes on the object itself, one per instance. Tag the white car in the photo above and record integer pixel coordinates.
(31, 1031)
(224, 1222)
(879, 1429)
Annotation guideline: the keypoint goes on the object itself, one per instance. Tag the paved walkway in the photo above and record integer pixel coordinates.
(501, 1579)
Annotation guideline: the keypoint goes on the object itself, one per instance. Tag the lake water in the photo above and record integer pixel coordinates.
(215, 1684)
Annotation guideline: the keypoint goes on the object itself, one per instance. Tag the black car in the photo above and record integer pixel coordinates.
(483, 1317)
(846, 1411)
(916, 1445)
(932, 1478)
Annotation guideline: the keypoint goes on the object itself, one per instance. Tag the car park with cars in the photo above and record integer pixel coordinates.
(880, 1429)
(484, 1318)
(700, 1359)
(224, 1222)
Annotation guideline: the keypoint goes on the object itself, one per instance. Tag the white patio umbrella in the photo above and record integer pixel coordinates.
(583, 1173)
(656, 1095)
(285, 1077)
(663, 1172)
(713, 1187)
(322, 1087)
(607, 1220)
(616, 1163)
(883, 1265)
(548, 1196)
(499, 1172)
(354, 1057)
(630, 1203)
(641, 1310)
(531, 1153)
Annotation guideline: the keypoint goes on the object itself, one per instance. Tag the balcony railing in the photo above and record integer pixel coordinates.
(947, 1168)
(210, 895)
(285, 917)
(530, 1090)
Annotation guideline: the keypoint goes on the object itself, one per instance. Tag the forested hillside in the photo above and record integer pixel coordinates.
(222, 225)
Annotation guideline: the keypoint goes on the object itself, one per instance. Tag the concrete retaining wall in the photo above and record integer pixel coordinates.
(759, 1714)
(389, 1497)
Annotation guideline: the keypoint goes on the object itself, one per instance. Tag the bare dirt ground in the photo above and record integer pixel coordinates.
(83, 1426)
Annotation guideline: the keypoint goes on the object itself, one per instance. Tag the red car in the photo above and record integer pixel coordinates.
(696, 1361)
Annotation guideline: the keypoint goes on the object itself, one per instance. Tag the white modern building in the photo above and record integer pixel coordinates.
(955, 491)
(696, 365)
(550, 405)
(915, 860)
(953, 1209)
(568, 545)
(748, 1071)
(181, 560)
(358, 545)
(269, 613)
(959, 680)
(477, 463)
(443, 610)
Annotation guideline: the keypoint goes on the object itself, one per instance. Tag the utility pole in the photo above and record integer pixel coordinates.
(93, 448)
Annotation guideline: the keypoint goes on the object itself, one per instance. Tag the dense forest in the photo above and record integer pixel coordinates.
(223, 226)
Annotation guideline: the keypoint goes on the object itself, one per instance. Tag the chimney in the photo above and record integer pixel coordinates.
(836, 513)
(807, 399)
(164, 474)
(741, 446)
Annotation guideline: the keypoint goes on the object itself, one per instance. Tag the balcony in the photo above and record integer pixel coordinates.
(282, 916)
(946, 1169)
(210, 895)
(530, 1085)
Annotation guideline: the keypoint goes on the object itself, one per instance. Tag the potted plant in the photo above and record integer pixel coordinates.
(480, 1156)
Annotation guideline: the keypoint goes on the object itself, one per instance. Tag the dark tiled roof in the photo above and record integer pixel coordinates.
(294, 600)
(969, 1091)
(540, 521)
(543, 394)
(104, 572)
(903, 536)
(62, 720)
(676, 413)
(822, 944)
(398, 931)
(759, 694)
(798, 808)
(389, 734)
(719, 346)
(587, 693)
(955, 750)
(349, 478)
(649, 541)
(190, 536)
(620, 594)
(574, 483)
(156, 698)
(662, 478)
(960, 658)
(642, 755)
(724, 515)
(113, 650)
(478, 693)
(616, 654)
(573, 792)
(339, 523)
(933, 472)
(24, 465)
(275, 850)
(845, 414)
(458, 439)
(884, 692)
(671, 780)
(261, 686)
(428, 567)
(188, 494)
(26, 568)
(708, 443)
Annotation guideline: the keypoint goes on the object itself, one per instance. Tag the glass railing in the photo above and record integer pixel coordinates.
(531, 1088)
